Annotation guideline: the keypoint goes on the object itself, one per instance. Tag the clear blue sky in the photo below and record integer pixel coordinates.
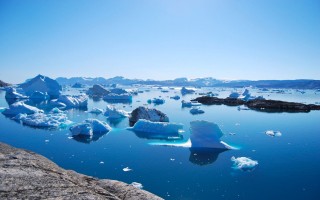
(160, 39)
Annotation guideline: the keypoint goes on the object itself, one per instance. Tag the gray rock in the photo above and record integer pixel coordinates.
(150, 114)
(27, 175)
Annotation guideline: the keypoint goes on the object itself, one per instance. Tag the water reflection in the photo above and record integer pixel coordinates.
(157, 136)
(88, 139)
(204, 156)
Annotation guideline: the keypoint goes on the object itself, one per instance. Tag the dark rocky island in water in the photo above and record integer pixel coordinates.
(259, 104)
(27, 175)
(3, 84)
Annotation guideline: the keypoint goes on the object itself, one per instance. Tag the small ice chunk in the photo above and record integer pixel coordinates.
(196, 111)
(273, 133)
(113, 113)
(20, 107)
(101, 162)
(96, 111)
(126, 169)
(2, 109)
(90, 127)
(137, 185)
(163, 128)
(156, 101)
(46, 141)
(176, 97)
(234, 95)
(172, 159)
(56, 111)
(189, 104)
(244, 163)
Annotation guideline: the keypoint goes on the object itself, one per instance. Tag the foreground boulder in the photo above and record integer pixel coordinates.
(150, 114)
(27, 175)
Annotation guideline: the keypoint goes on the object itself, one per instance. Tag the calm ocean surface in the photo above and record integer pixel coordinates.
(288, 165)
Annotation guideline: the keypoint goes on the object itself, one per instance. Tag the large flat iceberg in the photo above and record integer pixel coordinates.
(42, 120)
(21, 107)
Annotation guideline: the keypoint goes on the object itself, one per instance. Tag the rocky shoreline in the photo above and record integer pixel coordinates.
(27, 175)
(259, 104)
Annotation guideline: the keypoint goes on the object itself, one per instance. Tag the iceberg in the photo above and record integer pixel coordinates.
(119, 91)
(189, 104)
(137, 185)
(39, 96)
(42, 84)
(55, 111)
(196, 111)
(21, 107)
(97, 91)
(78, 85)
(80, 101)
(185, 91)
(150, 114)
(96, 111)
(244, 163)
(273, 133)
(156, 101)
(90, 127)
(56, 103)
(234, 95)
(175, 97)
(121, 97)
(2, 109)
(206, 134)
(11, 93)
(114, 113)
(42, 120)
(163, 128)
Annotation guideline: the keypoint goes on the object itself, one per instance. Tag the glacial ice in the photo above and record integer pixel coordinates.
(96, 111)
(196, 111)
(90, 127)
(42, 84)
(12, 93)
(184, 91)
(80, 101)
(21, 107)
(97, 91)
(113, 113)
(44, 120)
(189, 104)
(234, 95)
(39, 96)
(150, 114)
(112, 96)
(273, 133)
(163, 128)
(156, 101)
(244, 163)
(176, 97)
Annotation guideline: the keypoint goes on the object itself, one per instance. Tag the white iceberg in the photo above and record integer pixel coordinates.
(20, 107)
(189, 104)
(273, 133)
(97, 91)
(137, 185)
(79, 101)
(90, 127)
(96, 111)
(184, 91)
(2, 109)
(163, 128)
(234, 95)
(196, 111)
(40, 96)
(12, 93)
(150, 114)
(56, 103)
(42, 84)
(156, 101)
(127, 169)
(114, 113)
(244, 163)
(206, 134)
(44, 120)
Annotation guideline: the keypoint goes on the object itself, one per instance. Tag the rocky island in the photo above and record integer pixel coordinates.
(27, 175)
(259, 104)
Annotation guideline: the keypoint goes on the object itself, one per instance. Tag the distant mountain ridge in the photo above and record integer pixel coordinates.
(198, 82)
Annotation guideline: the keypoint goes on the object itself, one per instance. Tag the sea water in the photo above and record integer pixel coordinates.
(288, 165)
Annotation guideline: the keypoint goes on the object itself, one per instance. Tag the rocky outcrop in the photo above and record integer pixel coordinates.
(27, 175)
(150, 114)
(3, 84)
(260, 104)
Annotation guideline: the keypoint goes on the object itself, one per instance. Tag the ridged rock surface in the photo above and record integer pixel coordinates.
(27, 175)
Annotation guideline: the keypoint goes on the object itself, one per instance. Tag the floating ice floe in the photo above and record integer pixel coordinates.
(156, 101)
(196, 111)
(113, 113)
(42, 84)
(90, 127)
(176, 97)
(137, 185)
(96, 111)
(189, 103)
(273, 133)
(42, 120)
(77, 101)
(12, 93)
(163, 128)
(244, 163)
(184, 91)
(20, 107)
(126, 169)
(150, 114)
(97, 91)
